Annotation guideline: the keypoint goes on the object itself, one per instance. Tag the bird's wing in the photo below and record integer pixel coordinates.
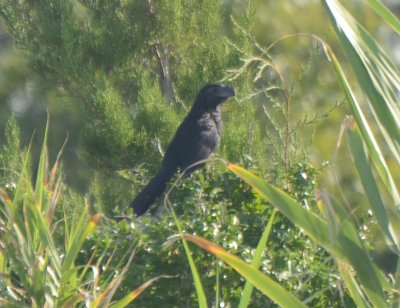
(192, 143)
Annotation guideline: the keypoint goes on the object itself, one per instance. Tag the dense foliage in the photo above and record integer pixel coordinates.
(119, 76)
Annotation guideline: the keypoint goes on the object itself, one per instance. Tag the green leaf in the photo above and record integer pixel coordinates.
(353, 286)
(77, 239)
(265, 284)
(201, 296)
(371, 188)
(134, 294)
(344, 246)
(385, 14)
(262, 244)
(41, 176)
(365, 129)
(44, 236)
(377, 76)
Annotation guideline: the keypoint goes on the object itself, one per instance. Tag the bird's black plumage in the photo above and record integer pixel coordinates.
(195, 139)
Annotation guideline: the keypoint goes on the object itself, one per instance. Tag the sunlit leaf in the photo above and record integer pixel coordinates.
(377, 76)
(345, 246)
(248, 288)
(265, 284)
(385, 14)
(134, 294)
(371, 188)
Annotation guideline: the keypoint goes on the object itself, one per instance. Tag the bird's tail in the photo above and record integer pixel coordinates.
(152, 191)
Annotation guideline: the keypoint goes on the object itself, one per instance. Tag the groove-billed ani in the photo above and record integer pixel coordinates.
(195, 139)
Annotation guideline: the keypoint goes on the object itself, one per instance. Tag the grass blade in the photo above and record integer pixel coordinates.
(134, 294)
(201, 296)
(365, 130)
(265, 284)
(385, 14)
(41, 176)
(248, 288)
(353, 286)
(374, 71)
(341, 246)
(77, 240)
(371, 188)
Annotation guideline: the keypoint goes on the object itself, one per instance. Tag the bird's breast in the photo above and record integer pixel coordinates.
(210, 130)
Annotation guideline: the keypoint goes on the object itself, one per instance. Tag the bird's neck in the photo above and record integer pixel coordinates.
(199, 111)
(215, 113)
(216, 116)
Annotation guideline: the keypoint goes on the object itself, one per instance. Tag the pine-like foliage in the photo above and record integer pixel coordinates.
(133, 67)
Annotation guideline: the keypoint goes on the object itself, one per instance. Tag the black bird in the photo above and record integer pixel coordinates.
(195, 139)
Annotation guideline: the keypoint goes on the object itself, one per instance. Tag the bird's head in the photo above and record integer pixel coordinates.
(211, 95)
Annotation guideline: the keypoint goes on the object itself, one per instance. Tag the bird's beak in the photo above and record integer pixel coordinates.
(226, 92)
